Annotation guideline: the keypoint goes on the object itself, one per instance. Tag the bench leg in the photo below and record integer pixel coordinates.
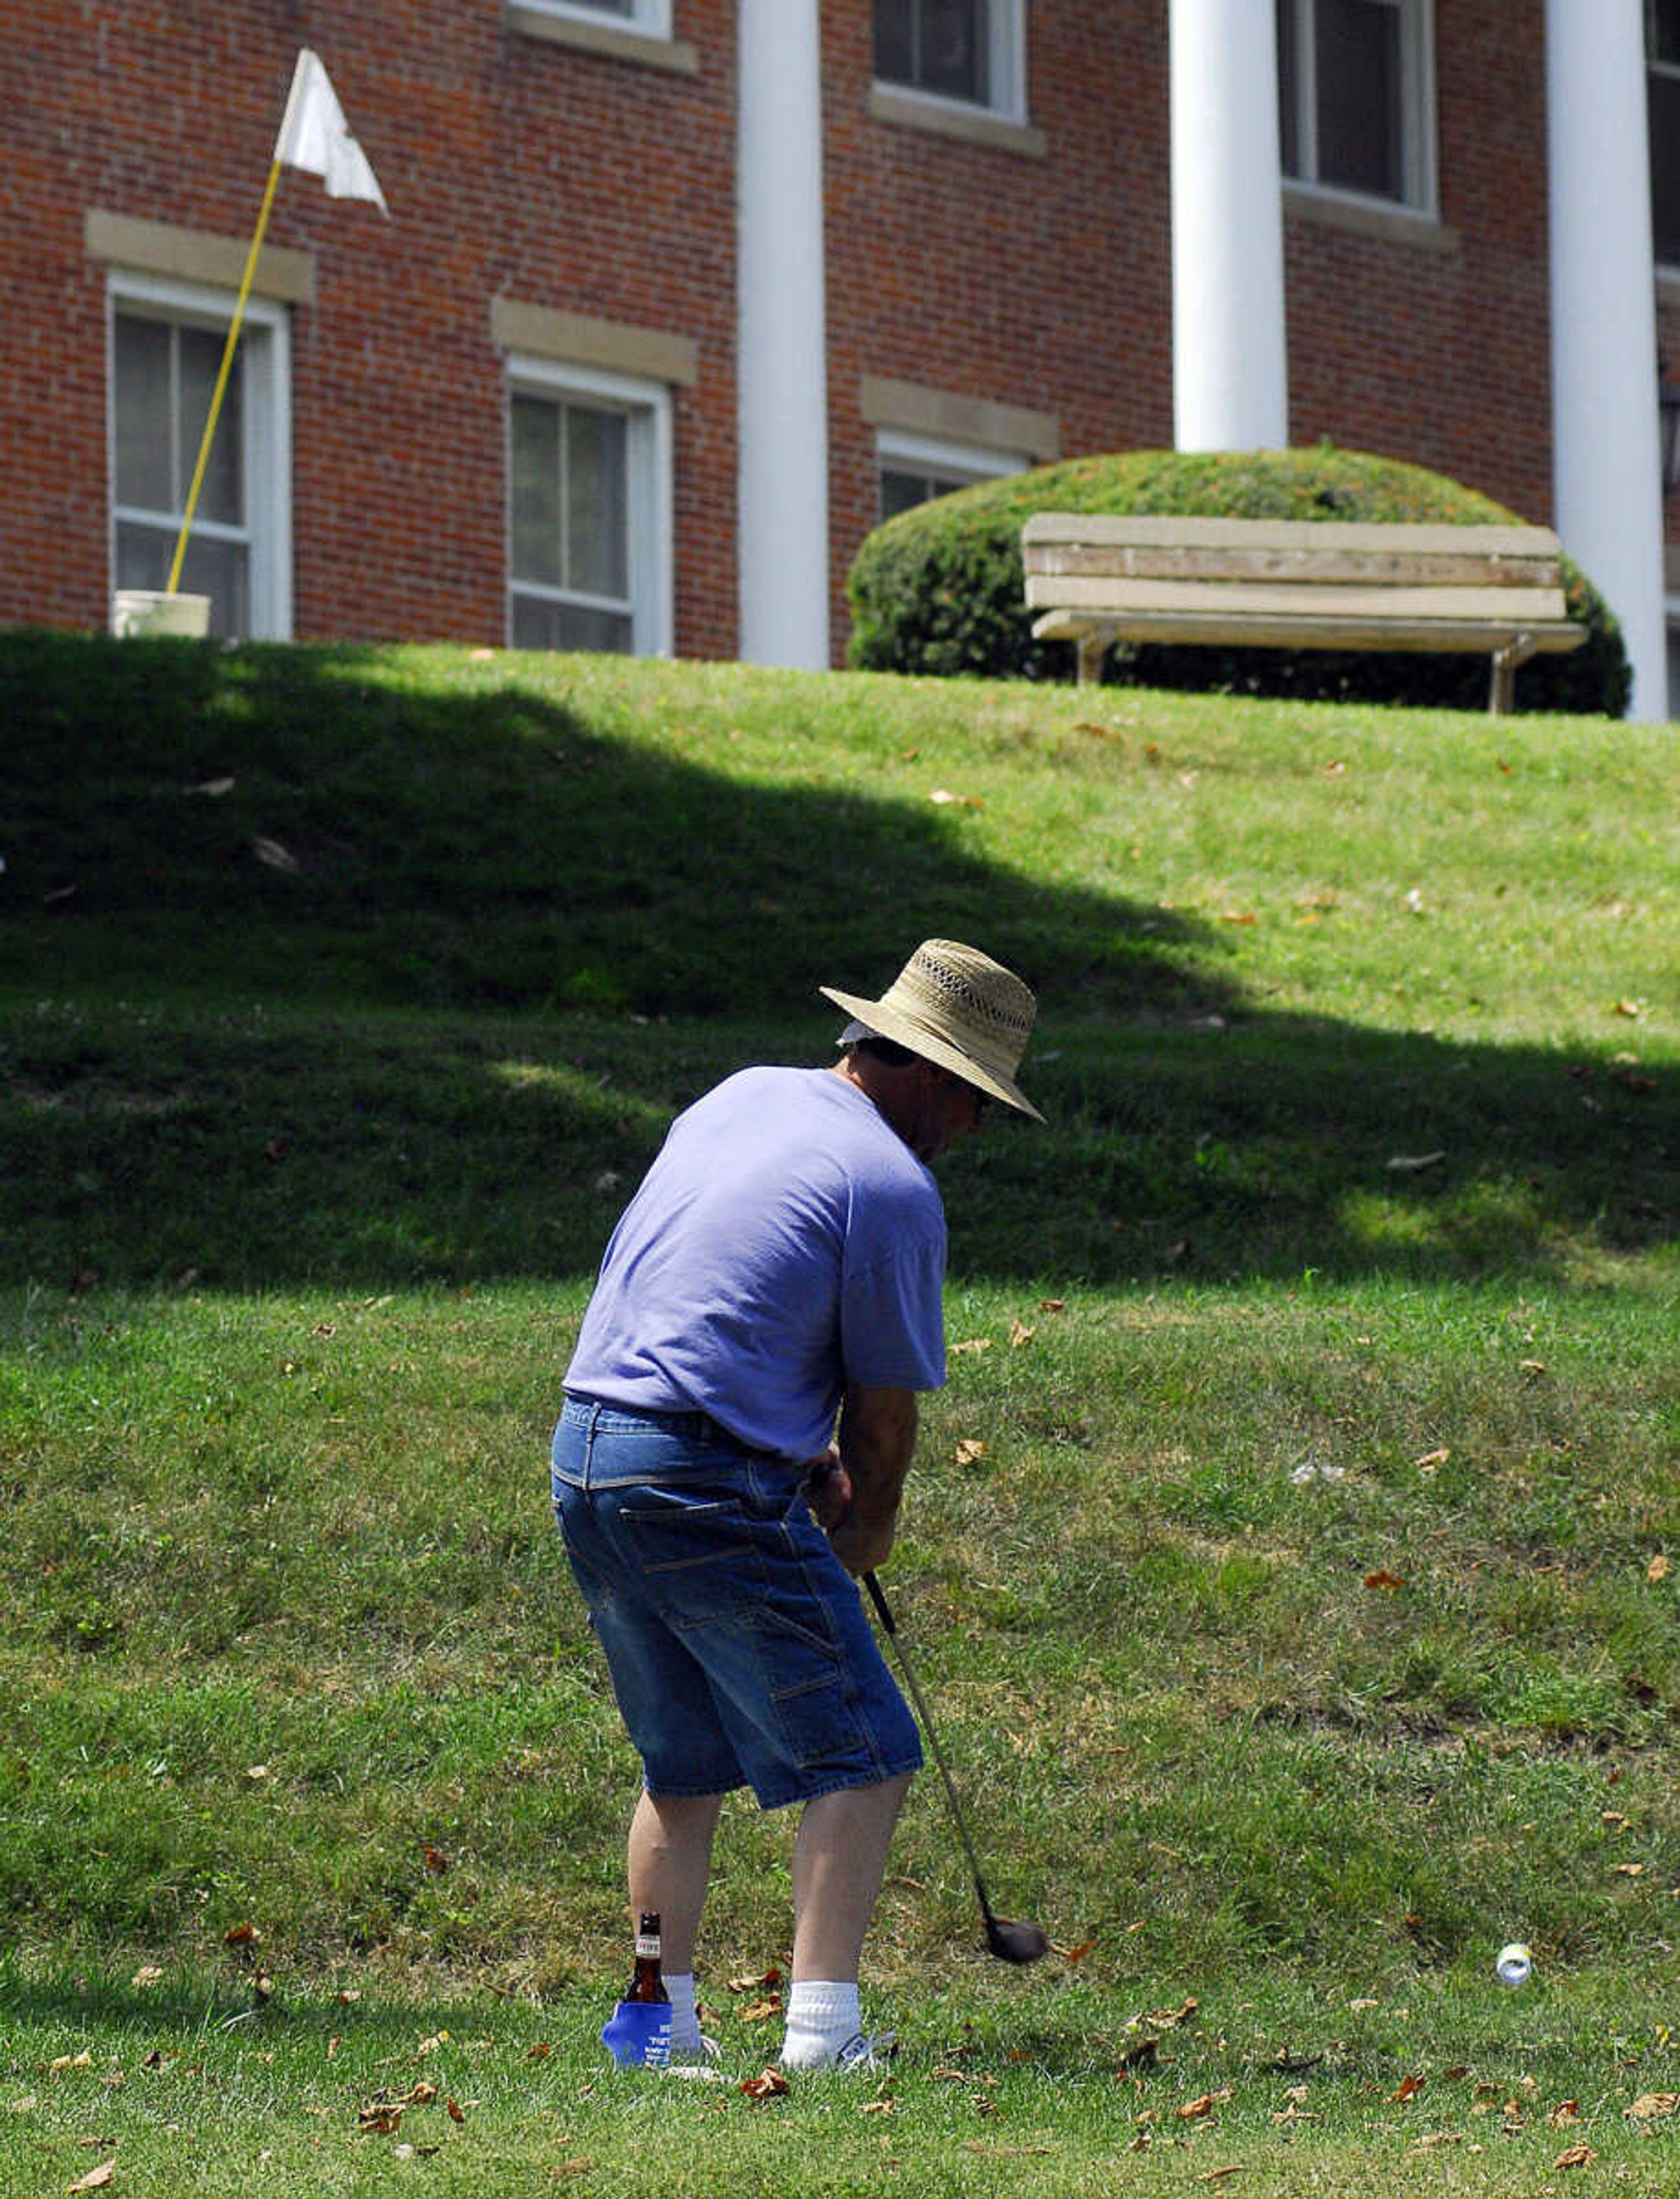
(1502, 693)
(1092, 648)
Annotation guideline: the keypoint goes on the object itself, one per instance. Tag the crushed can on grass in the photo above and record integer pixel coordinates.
(638, 2035)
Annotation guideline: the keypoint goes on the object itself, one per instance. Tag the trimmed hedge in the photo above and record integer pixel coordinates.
(939, 589)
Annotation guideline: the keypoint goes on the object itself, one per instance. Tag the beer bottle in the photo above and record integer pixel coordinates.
(647, 1984)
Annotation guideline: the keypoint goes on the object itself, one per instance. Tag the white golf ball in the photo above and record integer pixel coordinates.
(1515, 1965)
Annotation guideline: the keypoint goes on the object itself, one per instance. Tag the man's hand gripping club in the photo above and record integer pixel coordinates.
(856, 1486)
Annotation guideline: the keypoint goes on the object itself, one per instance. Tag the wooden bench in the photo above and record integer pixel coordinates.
(1098, 579)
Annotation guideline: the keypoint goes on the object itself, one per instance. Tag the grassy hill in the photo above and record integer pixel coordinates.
(1288, 1554)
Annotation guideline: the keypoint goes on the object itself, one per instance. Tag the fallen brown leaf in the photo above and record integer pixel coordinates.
(1216, 2175)
(1658, 1569)
(1652, 2106)
(1020, 1333)
(1074, 1954)
(1407, 2089)
(97, 2179)
(1438, 2138)
(540, 2051)
(973, 1344)
(239, 1935)
(1052, 1305)
(968, 1452)
(770, 2085)
(756, 1981)
(457, 2114)
(1386, 1582)
(756, 2010)
(1565, 2112)
(1575, 2156)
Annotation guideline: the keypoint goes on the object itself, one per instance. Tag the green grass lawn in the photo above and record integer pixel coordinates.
(1288, 1557)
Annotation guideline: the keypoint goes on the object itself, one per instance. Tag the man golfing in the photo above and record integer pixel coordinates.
(781, 1264)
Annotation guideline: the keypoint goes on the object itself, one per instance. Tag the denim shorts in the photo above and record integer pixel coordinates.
(737, 1642)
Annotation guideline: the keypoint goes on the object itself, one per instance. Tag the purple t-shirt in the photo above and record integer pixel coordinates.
(785, 1242)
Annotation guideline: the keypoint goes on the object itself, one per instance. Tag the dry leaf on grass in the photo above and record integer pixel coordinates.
(1020, 1333)
(1407, 2089)
(968, 1452)
(97, 2179)
(757, 1982)
(1388, 1582)
(1575, 2156)
(1652, 2106)
(973, 1343)
(756, 2011)
(770, 2085)
(1658, 1570)
(943, 796)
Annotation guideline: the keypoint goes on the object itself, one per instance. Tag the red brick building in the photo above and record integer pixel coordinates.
(676, 296)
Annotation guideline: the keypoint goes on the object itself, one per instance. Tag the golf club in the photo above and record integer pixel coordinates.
(1009, 1942)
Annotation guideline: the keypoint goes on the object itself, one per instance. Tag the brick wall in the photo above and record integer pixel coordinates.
(511, 166)
(1443, 356)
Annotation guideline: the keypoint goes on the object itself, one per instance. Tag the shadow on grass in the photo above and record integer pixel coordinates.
(234, 878)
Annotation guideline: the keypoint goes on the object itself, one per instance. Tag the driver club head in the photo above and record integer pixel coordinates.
(1015, 1943)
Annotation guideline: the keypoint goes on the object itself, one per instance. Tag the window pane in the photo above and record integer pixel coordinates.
(595, 558)
(142, 408)
(1289, 89)
(538, 625)
(220, 496)
(953, 56)
(1662, 19)
(1665, 126)
(902, 491)
(895, 41)
(536, 491)
(1358, 52)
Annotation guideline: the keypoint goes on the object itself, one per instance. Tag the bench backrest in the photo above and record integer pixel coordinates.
(1254, 567)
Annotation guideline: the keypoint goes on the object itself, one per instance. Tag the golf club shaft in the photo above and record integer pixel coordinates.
(884, 1612)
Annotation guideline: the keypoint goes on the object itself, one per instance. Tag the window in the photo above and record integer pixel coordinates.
(651, 16)
(970, 51)
(916, 469)
(166, 343)
(1662, 45)
(1354, 94)
(590, 511)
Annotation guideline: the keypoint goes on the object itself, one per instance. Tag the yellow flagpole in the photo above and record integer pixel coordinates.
(221, 378)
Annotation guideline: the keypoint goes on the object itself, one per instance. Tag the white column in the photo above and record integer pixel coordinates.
(1230, 382)
(1606, 448)
(781, 330)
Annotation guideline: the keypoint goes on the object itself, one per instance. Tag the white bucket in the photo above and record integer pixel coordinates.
(144, 611)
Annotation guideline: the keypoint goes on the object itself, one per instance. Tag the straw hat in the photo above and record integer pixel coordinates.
(958, 1008)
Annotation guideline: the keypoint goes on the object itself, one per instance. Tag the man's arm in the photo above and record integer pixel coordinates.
(877, 1436)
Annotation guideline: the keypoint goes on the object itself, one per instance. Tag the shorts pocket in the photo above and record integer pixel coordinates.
(694, 1553)
(811, 1694)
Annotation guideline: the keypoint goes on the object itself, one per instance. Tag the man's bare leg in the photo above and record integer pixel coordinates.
(839, 1859)
(670, 1859)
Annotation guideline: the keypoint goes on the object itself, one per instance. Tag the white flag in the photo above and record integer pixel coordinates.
(314, 135)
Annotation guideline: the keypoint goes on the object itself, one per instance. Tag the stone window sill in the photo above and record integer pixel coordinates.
(1394, 225)
(675, 55)
(908, 110)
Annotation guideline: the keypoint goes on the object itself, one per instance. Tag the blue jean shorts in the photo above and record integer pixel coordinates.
(737, 1642)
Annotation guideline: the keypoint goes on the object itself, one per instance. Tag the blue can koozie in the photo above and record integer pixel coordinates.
(639, 2034)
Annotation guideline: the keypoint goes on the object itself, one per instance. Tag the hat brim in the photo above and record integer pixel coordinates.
(886, 1022)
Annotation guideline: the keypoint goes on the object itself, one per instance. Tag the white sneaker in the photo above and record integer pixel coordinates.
(869, 2055)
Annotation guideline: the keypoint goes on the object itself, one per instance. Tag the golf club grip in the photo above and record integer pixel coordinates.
(881, 1604)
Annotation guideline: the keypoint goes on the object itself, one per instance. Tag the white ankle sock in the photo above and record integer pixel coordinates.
(685, 2022)
(822, 2014)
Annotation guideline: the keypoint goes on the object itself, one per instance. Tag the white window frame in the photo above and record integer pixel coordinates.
(963, 463)
(267, 367)
(1005, 62)
(651, 19)
(650, 518)
(1417, 108)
